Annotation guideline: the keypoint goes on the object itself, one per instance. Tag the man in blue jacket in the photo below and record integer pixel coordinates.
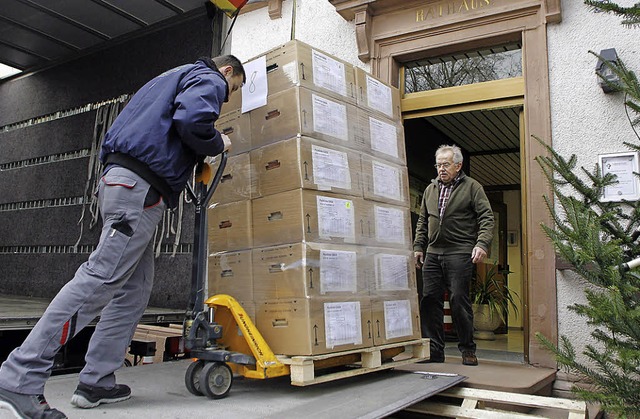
(149, 154)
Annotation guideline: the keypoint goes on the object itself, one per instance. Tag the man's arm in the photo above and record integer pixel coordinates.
(197, 107)
(422, 233)
(485, 224)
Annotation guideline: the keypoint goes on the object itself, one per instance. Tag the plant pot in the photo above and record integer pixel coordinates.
(484, 323)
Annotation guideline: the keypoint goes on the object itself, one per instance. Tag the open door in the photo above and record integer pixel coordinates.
(498, 255)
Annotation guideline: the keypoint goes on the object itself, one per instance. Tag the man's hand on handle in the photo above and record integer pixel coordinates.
(227, 142)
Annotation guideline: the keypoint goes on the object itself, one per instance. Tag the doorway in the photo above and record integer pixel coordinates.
(490, 139)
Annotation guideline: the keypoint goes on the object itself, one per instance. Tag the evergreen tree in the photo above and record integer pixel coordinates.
(596, 238)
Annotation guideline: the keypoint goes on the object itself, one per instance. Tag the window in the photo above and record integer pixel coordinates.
(495, 63)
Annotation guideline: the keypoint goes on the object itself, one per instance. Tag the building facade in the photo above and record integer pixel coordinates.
(553, 96)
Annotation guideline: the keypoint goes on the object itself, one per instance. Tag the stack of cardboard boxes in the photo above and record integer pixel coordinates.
(310, 229)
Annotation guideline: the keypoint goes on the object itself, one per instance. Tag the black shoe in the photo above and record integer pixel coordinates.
(87, 397)
(469, 358)
(439, 359)
(28, 406)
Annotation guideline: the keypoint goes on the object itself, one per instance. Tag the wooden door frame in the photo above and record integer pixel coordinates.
(388, 34)
(525, 24)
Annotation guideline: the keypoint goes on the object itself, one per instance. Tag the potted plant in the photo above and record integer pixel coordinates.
(491, 300)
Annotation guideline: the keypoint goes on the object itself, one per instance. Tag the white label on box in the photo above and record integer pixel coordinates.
(338, 271)
(384, 137)
(386, 181)
(328, 73)
(389, 225)
(379, 96)
(330, 168)
(330, 118)
(391, 272)
(397, 319)
(342, 324)
(335, 218)
(255, 90)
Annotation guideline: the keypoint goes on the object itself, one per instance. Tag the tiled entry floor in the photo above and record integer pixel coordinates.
(507, 347)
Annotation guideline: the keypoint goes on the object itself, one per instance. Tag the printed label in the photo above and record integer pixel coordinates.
(384, 137)
(328, 73)
(336, 218)
(391, 272)
(330, 168)
(338, 272)
(386, 181)
(389, 225)
(342, 324)
(379, 96)
(330, 118)
(397, 319)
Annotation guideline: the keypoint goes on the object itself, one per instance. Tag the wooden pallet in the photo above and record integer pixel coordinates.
(307, 370)
(475, 405)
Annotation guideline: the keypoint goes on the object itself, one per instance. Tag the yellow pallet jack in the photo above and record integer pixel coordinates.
(221, 337)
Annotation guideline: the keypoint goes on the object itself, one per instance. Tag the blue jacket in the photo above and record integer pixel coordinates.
(168, 125)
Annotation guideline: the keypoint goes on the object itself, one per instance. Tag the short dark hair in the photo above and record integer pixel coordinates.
(231, 60)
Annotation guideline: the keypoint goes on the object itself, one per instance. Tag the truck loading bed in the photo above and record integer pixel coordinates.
(22, 313)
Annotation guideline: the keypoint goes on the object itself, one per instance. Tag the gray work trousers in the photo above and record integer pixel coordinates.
(115, 283)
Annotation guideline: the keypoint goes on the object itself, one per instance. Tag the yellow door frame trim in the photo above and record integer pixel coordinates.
(487, 95)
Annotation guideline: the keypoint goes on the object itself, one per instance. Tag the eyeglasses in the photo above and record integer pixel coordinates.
(443, 165)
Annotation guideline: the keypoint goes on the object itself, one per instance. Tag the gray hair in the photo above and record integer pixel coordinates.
(457, 153)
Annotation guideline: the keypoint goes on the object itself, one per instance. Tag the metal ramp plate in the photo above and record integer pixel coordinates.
(158, 391)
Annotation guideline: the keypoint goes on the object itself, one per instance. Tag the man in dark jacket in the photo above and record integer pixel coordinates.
(455, 227)
(149, 154)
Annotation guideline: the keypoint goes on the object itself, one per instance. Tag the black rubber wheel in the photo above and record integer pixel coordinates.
(192, 378)
(216, 379)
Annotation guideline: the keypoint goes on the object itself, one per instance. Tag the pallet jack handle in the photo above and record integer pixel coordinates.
(201, 196)
(203, 176)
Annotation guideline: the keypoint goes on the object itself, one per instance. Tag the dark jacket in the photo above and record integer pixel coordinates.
(467, 221)
(168, 125)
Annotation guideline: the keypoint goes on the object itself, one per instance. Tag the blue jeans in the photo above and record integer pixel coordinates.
(452, 272)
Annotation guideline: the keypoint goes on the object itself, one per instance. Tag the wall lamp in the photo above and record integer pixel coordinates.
(604, 72)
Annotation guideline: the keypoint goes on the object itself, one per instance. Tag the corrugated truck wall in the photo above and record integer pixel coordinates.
(47, 123)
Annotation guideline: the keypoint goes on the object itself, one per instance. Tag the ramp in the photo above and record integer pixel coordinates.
(159, 392)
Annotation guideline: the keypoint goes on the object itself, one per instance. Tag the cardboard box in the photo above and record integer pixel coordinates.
(382, 137)
(385, 225)
(300, 111)
(308, 270)
(235, 184)
(388, 271)
(312, 326)
(376, 95)
(385, 181)
(298, 64)
(230, 226)
(395, 318)
(237, 126)
(303, 162)
(231, 273)
(306, 215)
